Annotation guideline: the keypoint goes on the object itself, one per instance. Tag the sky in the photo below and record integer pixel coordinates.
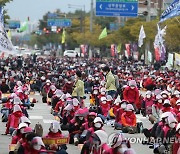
(35, 9)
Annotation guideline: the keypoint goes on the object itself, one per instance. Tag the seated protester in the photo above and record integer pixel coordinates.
(105, 107)
(18, 135)
(157, 127)
(120, 111)
(109, 99)
(147, 104)
(52, 91)
(156, 107)
(176, 145)
(55, 132)
(13, 119)
(56, 98)
(99, 142)
(67, 116)
(76, 104)
(75, 126)
(176, 108)
(4, 88)
(102, 93)
(67, 88)
(128, 120)
(131, 93)
(167, 106)
(90, 119)
(119, 145)
(115, 107)
(167, 133)
(24, 119)
(174, 98)
(17, 86)
(33, 145)
(60, 105)
(97, 125)
(165, 95)
(94, 99)
(26, 100)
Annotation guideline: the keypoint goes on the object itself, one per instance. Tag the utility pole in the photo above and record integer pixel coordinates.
(148, 19)
(91, 27)
(160, 8)
(91, 17)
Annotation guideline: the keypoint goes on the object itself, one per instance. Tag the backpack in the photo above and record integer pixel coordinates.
(38, 129)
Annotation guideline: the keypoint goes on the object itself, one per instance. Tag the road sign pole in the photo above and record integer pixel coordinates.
(148, 19)
(91, 27)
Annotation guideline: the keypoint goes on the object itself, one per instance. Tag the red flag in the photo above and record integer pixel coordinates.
(128, 49)
(112, 50)
(2, 55)
(157, 54)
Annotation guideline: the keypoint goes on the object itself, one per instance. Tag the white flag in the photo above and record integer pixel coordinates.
(5, 43)
(142, 35)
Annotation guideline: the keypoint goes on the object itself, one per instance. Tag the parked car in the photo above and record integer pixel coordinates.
(70, 53)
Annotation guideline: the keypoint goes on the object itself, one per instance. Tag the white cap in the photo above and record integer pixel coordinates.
(117, 100)
(171, 119)
(68, 95)
(167, 101)
(102, 135)
(176, 92)
(98, 119)
(24, 119)
(38, 140)
(178, 102)
(59, 93)
(55, 125)
(165, 115)
(158, 97)
(103, 90)
(129, 107)
(43, 78)
(116, 139)
(75, 102)
(16, 108)
(165, 92)
(103, 99)
(48, 81)
(148, 93)
(22, 125)
(109, 98)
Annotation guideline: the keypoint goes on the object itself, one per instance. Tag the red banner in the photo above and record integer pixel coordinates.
(157, 54)
(112, 50)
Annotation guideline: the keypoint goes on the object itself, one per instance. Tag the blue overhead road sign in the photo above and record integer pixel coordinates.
(125, 8)
(59, 22)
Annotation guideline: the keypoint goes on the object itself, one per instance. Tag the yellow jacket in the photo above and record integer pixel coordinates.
(79, 89)
(110, 82)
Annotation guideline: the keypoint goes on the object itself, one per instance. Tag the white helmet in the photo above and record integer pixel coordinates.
(22, 125)
(98, 119)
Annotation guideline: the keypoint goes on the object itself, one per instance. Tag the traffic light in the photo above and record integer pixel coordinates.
(44, 29)
(58, 30)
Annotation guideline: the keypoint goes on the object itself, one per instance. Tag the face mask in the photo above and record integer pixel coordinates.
(80, 118)
(123, 106)
(160, 100)
(103, 93)
(179, 131)
(117, 104)
(97, 125)
(172, 125)
(54, 130)
(95, 92)
(148, 96)
(104, 73)
(132, 87)
(104, 102)
(22, 130)
(11, 100)
(26, 93)
(48, 84)
(37, 147)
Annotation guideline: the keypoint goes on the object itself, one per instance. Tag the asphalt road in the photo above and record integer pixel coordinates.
(41, 113)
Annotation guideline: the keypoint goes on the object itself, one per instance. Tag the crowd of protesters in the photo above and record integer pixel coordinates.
(113, 89)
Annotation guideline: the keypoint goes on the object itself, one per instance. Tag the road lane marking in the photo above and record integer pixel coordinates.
(36, 117)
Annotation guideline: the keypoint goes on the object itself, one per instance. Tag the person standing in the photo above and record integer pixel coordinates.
(110, 81)
(78, 88)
